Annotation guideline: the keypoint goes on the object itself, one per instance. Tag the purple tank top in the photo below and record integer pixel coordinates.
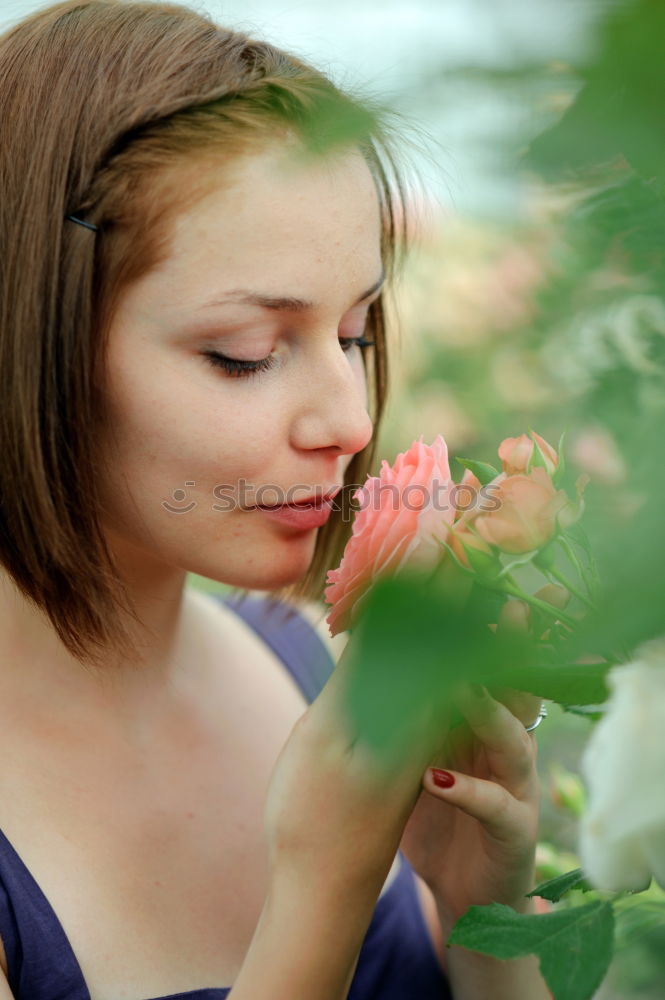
(397, 959)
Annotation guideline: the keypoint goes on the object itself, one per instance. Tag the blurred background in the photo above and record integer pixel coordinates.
(398, 50)
(533, 295)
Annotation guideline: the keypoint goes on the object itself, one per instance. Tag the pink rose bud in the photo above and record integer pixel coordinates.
(405, 513)
(526, 518)
(517, 454)
(471, 550)
(467, 495)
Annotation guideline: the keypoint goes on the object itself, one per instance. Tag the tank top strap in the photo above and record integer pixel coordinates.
(291, 636)
(40, 962)
(8, 924)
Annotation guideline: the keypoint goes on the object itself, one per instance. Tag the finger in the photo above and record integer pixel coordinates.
(524, 706)
(514, 615)
(554, 594)
(509, 749)
(502, 816)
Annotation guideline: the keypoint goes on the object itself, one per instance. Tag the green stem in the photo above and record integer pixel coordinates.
(549, 609)
(558, 575)
(574, 559)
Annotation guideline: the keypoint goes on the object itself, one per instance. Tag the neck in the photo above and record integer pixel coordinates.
(38, 672)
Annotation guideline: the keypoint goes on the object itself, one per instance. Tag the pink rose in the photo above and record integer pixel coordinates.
(405, 511)
(527, 516)
(517, 454)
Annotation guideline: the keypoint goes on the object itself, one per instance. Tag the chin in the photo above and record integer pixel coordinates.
(269, 566)
(258, 577)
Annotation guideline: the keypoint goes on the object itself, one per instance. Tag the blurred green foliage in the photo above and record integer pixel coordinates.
(556, 324)
(584, 292)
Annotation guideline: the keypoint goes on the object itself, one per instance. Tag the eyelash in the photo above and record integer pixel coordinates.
(240, 369)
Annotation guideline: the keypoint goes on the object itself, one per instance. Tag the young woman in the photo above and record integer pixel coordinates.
(188, 297)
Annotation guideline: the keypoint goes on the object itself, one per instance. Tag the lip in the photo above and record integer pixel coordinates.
(304, 515)
(302, 518)
(316, 499)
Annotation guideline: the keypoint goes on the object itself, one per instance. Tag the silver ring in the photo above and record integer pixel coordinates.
(542, 714)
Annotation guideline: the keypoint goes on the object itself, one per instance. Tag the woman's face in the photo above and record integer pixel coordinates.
(191, 448)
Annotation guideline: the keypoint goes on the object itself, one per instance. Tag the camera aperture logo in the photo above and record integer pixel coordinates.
(179, 495)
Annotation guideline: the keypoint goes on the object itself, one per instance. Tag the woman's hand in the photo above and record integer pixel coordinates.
(335, 811)
(473, 842)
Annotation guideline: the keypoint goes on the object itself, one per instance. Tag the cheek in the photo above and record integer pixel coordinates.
(163, 413)
(179, 434)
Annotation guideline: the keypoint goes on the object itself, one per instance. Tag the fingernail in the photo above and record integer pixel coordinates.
(443, 779)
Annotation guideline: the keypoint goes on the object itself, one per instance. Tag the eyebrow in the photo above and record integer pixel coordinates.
(286, 302)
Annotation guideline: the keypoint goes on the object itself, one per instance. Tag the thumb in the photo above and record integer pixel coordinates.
(514, 615)
(554, 594)
(483, 800)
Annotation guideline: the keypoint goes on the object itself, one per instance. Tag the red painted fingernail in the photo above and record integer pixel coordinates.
(443, 779)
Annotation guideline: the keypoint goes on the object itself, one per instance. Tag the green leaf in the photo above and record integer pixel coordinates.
(405, 656)
(484, 472)
(330, 121)
(413, 644)
(637, 919)
(419, 637)
(568, 684)
(488, 601)
(460, 565)
(485, 564)
(555, 888)
(538, 460)
(574, 946)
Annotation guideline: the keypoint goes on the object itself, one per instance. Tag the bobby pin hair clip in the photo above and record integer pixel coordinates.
(80, 222)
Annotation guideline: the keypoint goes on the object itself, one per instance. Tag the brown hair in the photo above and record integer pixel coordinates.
(103, 102)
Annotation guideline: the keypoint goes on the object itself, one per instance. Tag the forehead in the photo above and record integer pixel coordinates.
(275, 215)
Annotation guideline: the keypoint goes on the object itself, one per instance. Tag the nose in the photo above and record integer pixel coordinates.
(332, 410)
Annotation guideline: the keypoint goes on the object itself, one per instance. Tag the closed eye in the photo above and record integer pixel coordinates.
(238, 368)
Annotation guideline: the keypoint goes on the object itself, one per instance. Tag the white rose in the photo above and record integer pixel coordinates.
(622, 832)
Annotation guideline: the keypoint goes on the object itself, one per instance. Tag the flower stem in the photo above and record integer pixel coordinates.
(575, 561)
(535, 602)
(558, 575)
